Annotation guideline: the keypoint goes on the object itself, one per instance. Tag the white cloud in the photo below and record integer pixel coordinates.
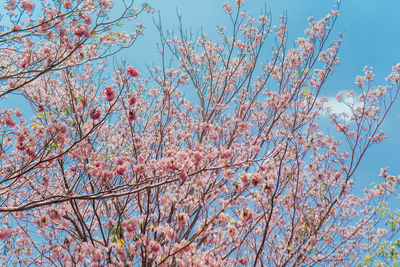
(342, 108)
(333, 106)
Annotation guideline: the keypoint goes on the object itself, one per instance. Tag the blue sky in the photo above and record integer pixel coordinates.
(372, 38)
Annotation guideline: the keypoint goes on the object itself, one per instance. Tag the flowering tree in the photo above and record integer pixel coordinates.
(216, 158)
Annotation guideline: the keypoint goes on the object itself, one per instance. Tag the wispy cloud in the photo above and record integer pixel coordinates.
(343, 108)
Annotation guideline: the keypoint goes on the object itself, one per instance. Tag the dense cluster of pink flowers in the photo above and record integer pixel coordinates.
(28, 5)
(132, 71)
(123, 170)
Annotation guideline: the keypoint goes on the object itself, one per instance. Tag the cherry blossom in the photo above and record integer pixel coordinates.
(215, 157)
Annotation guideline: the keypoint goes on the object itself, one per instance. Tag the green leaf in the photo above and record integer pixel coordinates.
(368, 258)
(53, 146)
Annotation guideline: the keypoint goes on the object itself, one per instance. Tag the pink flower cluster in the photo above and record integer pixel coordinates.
(83, 30)
(28, 5)
(95, 114)
(132, 71)
(109, 93)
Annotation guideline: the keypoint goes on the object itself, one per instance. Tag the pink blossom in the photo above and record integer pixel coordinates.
(240, 45)
(42, 221)
(97, 255)
(132, 115)
(54, 214)
(381, 232)
(182, 219)
(10, 5)
(20, 146)
(67, 4)
(121, 170)
(243, 261)
(26, 62)
(109, 93)
(244, 178)
(183, 176)
(106, 177)
(88, 20)
(383, 173)
(141, 158)
(360, 81)
(339, 97)
(40, 108)
(263, 20)
(154, 246)
(132, 100)
(238, 3)
(106, 3)
(227, 8)
(269, 186)
(132, 71)
(169, 233)
(63, 128)
(45, 181)
(226, 153)
(83, 30)
(381, 91)
(131, 225)
(256, 179)
(28, 5)
(5, 233)
(197, 157)
(21, 137)
(369, 75)
(95, 114)
(16, 27)
(232, 231)
(10, 122)
(247, 214)
(18, 112)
